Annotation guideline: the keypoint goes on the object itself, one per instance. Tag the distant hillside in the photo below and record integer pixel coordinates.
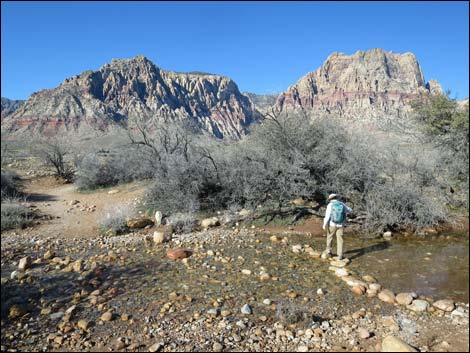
(262, 102)
(10, 105)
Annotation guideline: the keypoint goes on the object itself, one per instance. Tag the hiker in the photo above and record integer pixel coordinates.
(333, 223)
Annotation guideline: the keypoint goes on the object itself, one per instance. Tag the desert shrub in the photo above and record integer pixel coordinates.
(446, 126)
(14, 215)
(287, 157)
(93, 172)
(53, 152)
(10, 184)
(182, 223)
(114, 219)
(399, 205)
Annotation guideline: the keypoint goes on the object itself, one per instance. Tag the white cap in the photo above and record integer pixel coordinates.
(332, 196)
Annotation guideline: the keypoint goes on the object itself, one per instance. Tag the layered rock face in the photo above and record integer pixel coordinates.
(363, 86)
(126, 90)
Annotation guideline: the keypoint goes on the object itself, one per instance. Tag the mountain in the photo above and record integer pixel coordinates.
(10, 105)
(262, 102)
(364, 86)
(127, 90)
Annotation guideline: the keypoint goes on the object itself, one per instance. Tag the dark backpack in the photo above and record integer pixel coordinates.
(338, 212)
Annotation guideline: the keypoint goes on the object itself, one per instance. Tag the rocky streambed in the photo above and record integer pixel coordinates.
(239, 290)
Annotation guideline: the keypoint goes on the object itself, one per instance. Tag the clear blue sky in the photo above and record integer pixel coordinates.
(263, 47)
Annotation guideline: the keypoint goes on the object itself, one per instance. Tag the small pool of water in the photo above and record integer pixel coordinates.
(437, 268)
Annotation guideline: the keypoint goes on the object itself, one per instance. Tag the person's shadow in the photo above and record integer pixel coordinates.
(359, 252)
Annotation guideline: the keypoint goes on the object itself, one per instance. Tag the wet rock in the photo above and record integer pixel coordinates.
(444, 304)
(24, 263)
(246, 309)
(404, 298)
(178, 254)
(418, 305)
(395, 344)
(387, 296)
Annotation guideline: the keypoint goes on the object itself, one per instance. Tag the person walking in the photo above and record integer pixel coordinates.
(333, 223)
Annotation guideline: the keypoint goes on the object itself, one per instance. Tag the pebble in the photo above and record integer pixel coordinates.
(363, 333)
(107, 316)
(217, 347)
(24, 263)
(302, 349)
(267, 301)
(246, 309)
(82, 324)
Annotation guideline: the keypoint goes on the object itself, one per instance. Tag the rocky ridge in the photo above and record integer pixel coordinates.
(363, 86)
(129, 89)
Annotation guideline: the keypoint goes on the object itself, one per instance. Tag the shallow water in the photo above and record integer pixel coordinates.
(437, 268)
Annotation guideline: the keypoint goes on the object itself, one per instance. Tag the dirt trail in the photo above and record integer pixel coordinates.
(52, 198)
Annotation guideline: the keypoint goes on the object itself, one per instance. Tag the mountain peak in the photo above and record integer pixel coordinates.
(355, 85)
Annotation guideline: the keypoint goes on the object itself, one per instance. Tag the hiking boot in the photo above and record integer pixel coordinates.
(325, 255)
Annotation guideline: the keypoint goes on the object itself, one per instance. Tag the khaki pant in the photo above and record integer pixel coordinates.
(339, 239)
